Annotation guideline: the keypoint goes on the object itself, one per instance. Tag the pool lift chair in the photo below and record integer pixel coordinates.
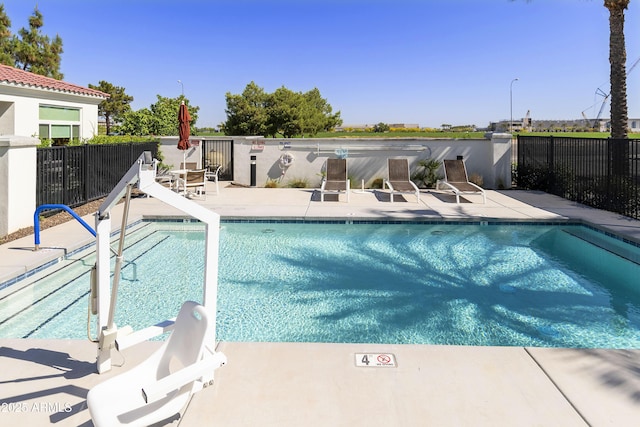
(159, 387)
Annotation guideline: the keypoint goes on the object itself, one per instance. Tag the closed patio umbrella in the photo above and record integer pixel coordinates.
(184, 127)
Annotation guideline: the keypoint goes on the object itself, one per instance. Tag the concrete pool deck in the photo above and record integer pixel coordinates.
(290, 384)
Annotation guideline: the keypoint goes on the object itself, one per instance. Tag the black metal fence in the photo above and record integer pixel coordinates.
(219, 152)
(603, 173)
(78, 174)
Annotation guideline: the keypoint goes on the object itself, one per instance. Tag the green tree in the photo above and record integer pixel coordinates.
(112, 108)
(283, 112)
(165, 114)
(317, 114)
(159, 119)
(36, 52)
(381, 127)
(618, 74)
(137, 123)
(246, 113)
(6, 44)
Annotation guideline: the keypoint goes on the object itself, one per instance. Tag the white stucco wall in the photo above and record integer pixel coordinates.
(17, 182)
(25, 110)
(367, 158)
(173, 157)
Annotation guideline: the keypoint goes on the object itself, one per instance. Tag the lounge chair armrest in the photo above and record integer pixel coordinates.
(159, 389)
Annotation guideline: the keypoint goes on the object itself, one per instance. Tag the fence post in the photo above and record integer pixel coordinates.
(17, 182)
(551, 170)
(65, 175)
(85, 172)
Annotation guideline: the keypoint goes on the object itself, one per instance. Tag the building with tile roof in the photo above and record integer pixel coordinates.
(35, 105)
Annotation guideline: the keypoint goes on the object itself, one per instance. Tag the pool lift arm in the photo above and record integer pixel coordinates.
(142, 174)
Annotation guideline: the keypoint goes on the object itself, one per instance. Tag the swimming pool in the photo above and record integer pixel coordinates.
(420, 283)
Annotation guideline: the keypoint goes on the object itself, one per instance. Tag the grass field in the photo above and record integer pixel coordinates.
(443, 134)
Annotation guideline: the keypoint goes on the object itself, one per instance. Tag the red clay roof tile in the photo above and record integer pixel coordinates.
(16, 76)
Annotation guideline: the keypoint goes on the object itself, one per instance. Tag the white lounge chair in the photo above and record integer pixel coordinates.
(456, 180)
(399, 179)
(160, 387)
(336, 179)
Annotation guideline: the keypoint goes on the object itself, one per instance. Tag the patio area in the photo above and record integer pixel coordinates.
(289, 384)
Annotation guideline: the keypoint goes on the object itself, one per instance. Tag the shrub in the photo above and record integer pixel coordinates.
(426, 176)
(298, 183)
(120, 139)
(377, 183)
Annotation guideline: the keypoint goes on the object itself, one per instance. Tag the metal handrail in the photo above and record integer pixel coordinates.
(36, 221)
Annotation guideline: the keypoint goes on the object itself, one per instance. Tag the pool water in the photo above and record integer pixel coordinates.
(500, 285)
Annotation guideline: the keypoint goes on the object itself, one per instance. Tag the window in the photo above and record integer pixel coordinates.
(60, 124)
(59, 114)
(43, 131)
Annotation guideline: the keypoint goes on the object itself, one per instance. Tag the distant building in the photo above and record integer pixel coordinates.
(404, 125)
(345, 128)
(578, 125)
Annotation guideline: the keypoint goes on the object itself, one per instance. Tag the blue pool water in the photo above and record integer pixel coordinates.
(512, 285)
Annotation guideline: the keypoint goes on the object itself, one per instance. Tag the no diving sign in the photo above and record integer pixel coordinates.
(375, 360)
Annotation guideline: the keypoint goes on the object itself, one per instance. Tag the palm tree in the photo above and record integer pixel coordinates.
(617, 59)
(618, 74)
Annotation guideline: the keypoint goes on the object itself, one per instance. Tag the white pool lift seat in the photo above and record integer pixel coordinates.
(161, 386)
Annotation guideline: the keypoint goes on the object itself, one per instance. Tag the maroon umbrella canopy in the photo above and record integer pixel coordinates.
(184, 120)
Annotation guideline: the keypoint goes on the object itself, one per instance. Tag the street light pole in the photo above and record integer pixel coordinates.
(511, 105)
(181, 84)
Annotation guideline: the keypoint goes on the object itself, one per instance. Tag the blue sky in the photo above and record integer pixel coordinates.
(393, 61)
